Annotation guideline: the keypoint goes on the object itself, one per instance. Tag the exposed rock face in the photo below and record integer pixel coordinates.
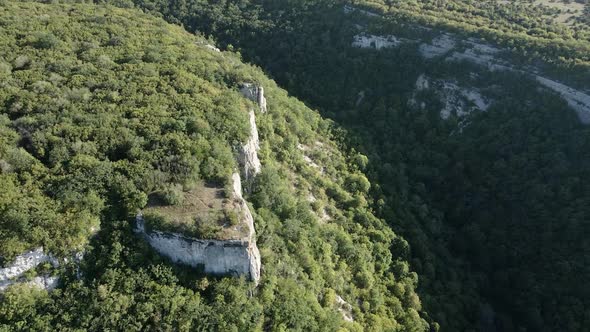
(44, 282)
(233, 256)
(376, 42)
(213, 48)
(447, 46)
(454, 98)
(344, 308)
(216, 257)
(360, 98)
(25, 262)
(350, 9)
(254, 255)
(576, 99)
(422, 83)
(255, 93)
(208, 46)
(248, 154)
(439, 46)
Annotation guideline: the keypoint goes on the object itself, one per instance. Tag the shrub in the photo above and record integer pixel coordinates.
(45, 40)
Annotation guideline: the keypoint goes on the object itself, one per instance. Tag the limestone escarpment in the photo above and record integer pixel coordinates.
(236, 256)
(228, 257)
(15, 272)
(455, 99)
(255, 93)
(452, 47)
(248, 152)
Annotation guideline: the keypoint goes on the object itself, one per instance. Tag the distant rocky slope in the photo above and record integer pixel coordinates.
(448, 47)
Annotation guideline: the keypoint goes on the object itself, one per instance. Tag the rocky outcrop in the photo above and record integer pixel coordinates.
(255, 93)
(576, 99)
(248, 152)
(455, 99)
(359, 99)
(376, 42)
(344, 308)
(208, 46)
(216, 257)
(46, 282)
(455, 48)
(348, 9)
(25, 262)
(238, 255)
(440, 45)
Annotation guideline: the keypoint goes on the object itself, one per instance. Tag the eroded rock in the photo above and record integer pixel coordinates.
(255, 93)
(376, 42)
(25, 262)
(576, 99)
(248, 154)
(234, 256)
(344, 308)
(440, 45)
(454, 98)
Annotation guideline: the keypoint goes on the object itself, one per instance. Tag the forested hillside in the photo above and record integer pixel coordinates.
(103, 107)
(493, 203)
(464, 115)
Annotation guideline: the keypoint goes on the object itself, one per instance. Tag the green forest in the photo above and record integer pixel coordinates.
(420, 223)
(105, 106)
(494, 217)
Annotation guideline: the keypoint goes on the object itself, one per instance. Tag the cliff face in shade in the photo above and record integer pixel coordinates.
(454, 48)
(216, 257)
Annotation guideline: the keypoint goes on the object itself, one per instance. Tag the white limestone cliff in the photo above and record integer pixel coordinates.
(248, 152)
(25, 262)
(208, 46)
(440, 45)
(233, 256)
(216, 257)
(344, 308)
(255, 93)
(576, 99)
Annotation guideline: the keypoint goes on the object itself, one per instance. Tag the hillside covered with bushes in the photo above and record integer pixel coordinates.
(494, 204)
(103, 107)
(440, 185)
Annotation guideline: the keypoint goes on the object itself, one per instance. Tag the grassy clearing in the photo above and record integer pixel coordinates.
(205, 211)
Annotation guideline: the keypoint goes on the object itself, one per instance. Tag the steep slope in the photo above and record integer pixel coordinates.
(493, 203)
(105, 109)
